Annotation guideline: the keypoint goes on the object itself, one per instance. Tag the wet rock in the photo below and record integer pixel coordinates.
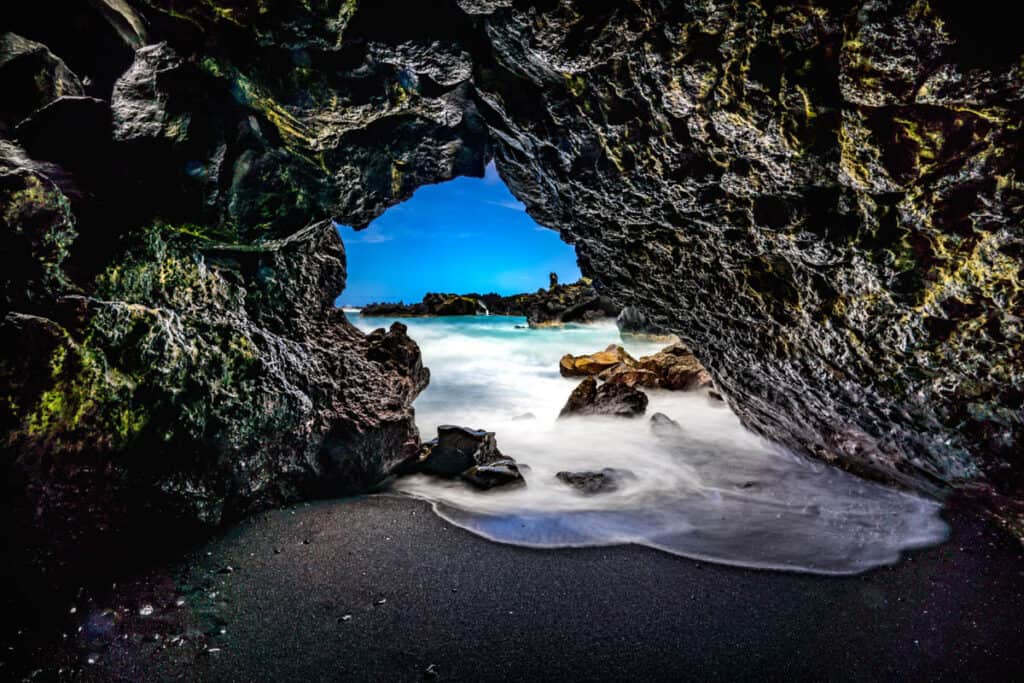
(579, 302)
(634, 324)
(663, 425)
(592, 482)
(457, 449)
(595, 363)
(677, 368)
(617, 400)
(500, 473)
(630, 376)
(471, 454)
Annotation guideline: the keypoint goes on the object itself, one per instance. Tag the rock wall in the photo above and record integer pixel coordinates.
(822, 199)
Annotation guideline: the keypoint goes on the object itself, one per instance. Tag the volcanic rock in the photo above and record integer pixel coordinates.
(471, 454)
(592, 482)
(595, 363)
(677, 368)
(617, 400)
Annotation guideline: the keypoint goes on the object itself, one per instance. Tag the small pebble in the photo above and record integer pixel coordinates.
(345, 617)
(145, 610)
(226, 569)
(381, 601)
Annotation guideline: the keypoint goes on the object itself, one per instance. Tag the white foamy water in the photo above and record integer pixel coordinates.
(714, 491)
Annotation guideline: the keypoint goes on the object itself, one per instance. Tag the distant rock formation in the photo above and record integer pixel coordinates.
(579, 302)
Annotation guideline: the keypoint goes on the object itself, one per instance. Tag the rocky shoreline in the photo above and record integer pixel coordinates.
(577, 302)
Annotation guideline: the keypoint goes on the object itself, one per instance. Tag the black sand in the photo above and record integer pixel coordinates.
(459, 607)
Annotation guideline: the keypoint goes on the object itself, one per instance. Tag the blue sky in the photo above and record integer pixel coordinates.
(465, 235)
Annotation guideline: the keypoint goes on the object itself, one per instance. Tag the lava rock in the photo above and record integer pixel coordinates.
(634, 324)
(499, 473)
(617, 400)
(457, 449)
(470, 454)
(595, 363)
(592, 482)
(677, 368)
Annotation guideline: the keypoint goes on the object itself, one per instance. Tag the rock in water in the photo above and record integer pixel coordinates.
(663, 425)
(617, 400)
(595, 363)
(677, 368)
(500, 473)
(471, 454)
(633, 323)
(603, 481)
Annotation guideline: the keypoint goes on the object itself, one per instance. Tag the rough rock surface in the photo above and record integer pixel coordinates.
(470, 454)
(633, 323)
(676, 368)
(822, 199)
(558, 304)
(615, 400)
(595, 363)
(589, 483)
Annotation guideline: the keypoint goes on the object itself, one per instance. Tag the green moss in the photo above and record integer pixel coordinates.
(575, 84)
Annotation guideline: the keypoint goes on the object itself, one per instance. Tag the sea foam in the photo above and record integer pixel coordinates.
(713, 491)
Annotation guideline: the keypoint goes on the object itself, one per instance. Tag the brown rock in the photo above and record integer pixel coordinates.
(595, 363)
(607, 399)
(631, 377)
(677, 368)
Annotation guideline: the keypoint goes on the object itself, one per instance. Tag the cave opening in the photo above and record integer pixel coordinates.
(554, 419)
(460, 237)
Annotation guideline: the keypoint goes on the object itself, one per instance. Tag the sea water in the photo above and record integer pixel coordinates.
(713, 491)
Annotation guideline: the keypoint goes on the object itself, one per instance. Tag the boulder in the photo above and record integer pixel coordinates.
(501, 473)
(631, 377)
(595, 363)
(677, 368)
(633, 323)
(471, 454)
(617, 400)
(589, 482)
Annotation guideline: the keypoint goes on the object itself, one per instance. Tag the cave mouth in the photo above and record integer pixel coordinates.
(692, 481)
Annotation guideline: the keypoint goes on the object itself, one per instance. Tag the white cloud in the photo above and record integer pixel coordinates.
(373, 238)
(509, 204)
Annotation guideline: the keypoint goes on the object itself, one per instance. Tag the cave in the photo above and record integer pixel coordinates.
(821, 199)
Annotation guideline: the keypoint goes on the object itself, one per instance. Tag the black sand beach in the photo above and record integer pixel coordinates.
(379, 588)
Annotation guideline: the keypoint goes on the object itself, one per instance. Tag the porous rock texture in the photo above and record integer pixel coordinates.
(823, 200)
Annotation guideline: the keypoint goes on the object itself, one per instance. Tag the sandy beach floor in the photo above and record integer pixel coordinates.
(379, 588)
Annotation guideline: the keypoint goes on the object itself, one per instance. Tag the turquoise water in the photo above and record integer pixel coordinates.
(714, 491)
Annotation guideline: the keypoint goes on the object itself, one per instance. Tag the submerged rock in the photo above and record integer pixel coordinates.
(617, 400)
(663, 425)
(499, 473)
(603, 481)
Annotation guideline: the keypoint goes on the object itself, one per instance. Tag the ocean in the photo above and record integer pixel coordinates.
(713, 491)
